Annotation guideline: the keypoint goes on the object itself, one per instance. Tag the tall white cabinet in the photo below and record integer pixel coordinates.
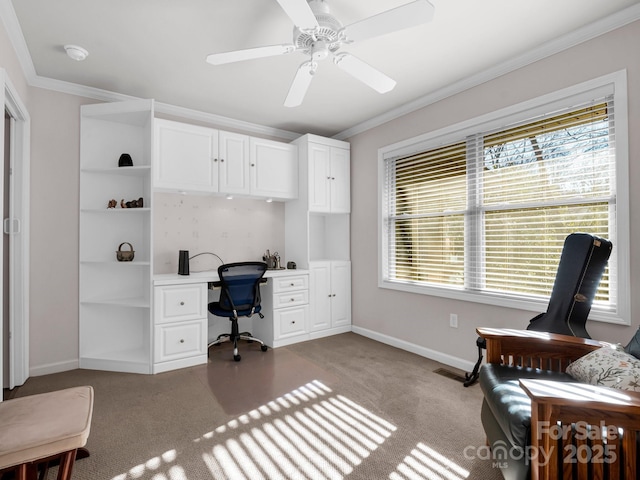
(317, 231)
(115, 297)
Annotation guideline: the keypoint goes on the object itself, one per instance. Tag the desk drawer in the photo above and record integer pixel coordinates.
(289, 322)
(290, 283)
(290, 299)
(180, 340)
(180, 302)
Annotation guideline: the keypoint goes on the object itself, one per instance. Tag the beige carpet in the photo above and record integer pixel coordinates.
(343, 407)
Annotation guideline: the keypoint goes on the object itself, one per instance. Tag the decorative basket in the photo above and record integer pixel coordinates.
(125, 255)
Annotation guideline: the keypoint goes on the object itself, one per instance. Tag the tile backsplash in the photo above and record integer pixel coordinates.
(237, 230)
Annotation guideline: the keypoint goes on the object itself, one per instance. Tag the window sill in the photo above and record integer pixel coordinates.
(531, 304)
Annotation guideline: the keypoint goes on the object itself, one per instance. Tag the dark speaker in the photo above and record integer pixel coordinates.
(183, 262)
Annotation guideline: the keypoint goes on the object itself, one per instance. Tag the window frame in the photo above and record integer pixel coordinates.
(613, 84)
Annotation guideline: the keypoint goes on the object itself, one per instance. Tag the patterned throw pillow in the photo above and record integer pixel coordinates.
(608, 367)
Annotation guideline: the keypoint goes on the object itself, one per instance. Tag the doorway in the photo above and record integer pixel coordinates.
(14, 261)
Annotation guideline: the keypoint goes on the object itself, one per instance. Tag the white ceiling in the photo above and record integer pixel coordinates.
(157, 49)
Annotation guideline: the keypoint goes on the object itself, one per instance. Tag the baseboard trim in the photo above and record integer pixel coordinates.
(444, 358)
(49, 368)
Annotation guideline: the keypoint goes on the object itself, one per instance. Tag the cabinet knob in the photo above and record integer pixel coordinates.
(328, 178)
(253, 164)
(292, 284)
(215, 159)
(293, 299)
(181, 303)
(182, 340)
(333, 178)
(329, 295)
(293, 321)
(221, 160)
(333, 295)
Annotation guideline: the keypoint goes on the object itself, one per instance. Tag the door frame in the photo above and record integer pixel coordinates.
(18, 226)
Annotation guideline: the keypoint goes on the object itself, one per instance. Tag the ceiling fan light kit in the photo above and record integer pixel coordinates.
(318, 34)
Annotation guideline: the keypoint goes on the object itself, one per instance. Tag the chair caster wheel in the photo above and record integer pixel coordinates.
(263, 348)
(237, 358)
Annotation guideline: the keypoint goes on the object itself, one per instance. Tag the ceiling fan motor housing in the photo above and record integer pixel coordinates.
(326, 38)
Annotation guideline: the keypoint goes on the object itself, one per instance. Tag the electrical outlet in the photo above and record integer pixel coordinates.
(453, 320)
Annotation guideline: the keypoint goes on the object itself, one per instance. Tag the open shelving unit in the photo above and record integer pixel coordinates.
(115, 297)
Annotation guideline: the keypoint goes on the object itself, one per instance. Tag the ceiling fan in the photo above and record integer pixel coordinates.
(319, 34)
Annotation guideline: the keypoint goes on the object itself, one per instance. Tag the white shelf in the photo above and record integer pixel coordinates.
(134, 263)
(116, 211)
(119, 302)
(115, 297)
(130, 361)
(135, 171)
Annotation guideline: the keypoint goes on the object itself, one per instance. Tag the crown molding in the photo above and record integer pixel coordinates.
(576, 37)
(12, 26)
(226, 122)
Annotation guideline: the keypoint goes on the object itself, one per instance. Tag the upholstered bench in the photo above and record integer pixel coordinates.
(39, 429)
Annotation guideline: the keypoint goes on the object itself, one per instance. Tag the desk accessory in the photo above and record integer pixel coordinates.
(125, 160)
(125, 255)
(183, 262)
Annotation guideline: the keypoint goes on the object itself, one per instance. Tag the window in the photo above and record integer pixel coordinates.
(481, 212)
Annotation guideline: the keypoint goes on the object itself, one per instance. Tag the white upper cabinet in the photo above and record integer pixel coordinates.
(185, 157)
(191, 158)
(274, 169)
(329, 179)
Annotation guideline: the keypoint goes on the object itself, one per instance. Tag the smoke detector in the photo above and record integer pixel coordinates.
(76, 53)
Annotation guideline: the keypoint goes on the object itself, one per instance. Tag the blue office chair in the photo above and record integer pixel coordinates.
(239, 297)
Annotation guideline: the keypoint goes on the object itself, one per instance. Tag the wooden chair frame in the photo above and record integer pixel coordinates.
(577, 430)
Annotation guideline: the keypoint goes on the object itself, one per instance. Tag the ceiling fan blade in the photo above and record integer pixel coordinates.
(300, 84)
(300, 13)
(249, 54)
(364, 72)
(399, 18)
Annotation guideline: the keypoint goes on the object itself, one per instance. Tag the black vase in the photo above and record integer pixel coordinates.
(125, 160)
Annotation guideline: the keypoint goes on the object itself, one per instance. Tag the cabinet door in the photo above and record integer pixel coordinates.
(185, 157)
(274, 169)
(340, 180)
(234, 163)
(320, 293)
(340, 293)
(319, 178)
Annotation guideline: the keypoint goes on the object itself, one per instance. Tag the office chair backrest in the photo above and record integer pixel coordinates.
(240, 285)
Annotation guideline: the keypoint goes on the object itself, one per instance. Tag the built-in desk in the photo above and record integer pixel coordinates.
(183, 327)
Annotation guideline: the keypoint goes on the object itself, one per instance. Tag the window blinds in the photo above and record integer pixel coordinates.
(491, 212)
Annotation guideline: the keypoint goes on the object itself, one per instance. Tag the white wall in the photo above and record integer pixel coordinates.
(423, 321)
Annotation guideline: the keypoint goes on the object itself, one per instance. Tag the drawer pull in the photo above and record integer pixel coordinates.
(181, 303)
(293, 299)
(182, 340)
(293, 321)
(293, 285)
